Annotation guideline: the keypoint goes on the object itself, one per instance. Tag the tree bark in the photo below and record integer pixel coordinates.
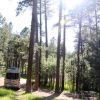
(78, 56)
(31, 46)
(40, 53)
(57, 89)
(37, 62)
(46, 29)
(63, 67)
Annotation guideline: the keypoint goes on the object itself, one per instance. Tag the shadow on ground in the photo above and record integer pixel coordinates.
(51, 97)
(83, 96)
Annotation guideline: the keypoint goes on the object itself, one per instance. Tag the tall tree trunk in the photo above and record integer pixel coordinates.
(31, 46)
(40, 53)
(46, 78)
(15, 61)
(73, 79)
(89, 20)
(57, 89)
(97, 39)
(22, 65)
(37, 62)
(78, 57)
(63, 67)
(46, 28)
(96, 21)
(19, 63)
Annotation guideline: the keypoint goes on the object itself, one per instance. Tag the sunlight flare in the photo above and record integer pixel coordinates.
(71, 4)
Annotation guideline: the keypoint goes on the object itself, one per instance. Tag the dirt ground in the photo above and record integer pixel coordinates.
(50, 95)
(63, 96)
(47, 95)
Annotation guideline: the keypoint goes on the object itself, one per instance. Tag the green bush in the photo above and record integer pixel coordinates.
(68, 85)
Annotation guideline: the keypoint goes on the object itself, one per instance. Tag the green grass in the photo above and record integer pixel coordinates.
(6, 94)
(29, 96)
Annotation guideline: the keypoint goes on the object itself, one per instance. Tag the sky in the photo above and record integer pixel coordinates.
(8, 10)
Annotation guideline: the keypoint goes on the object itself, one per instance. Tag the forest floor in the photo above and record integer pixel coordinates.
(49, 95)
